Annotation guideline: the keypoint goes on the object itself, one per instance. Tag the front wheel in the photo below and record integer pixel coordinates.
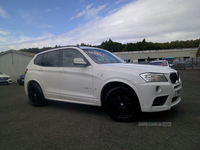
(36, 96)
(122, 104)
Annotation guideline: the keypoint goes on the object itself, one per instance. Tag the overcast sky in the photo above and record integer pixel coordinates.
(39, 23)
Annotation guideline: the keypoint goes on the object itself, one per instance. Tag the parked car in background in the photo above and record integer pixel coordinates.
(126, 60)
(163, 63)
(179, 65)
(170, 61)
(189, 63)
(5, 78)
(20, 79)
(143, 62)
(93, 76)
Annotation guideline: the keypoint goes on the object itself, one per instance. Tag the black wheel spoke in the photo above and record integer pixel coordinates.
(35, 95)
(130, 101)
(121, 104)
(121, 96)
(113, 101)
(117, 110)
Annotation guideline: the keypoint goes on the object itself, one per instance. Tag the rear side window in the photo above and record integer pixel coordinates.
(38, 59)
(49, 59)
(52, 59)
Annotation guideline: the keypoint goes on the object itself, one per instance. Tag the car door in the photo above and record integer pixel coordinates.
(76, 81)
(48, 74)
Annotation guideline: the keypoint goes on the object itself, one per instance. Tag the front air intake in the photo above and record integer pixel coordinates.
(159, 101)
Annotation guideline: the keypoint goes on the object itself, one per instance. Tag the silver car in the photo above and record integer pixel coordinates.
(5, 78)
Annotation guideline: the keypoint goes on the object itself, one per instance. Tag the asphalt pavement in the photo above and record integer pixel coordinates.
(69, 126)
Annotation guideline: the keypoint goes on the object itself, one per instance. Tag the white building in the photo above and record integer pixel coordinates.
(138, 56)
(14, 63)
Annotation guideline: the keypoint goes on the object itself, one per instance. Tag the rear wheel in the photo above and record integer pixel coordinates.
(36, 96)
(122, 104)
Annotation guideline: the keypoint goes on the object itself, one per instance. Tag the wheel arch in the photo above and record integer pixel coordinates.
(108, 86)
(30, 82)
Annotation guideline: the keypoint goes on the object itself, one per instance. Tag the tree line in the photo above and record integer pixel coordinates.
(139, 46)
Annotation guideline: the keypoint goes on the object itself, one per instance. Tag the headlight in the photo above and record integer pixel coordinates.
(153, 77)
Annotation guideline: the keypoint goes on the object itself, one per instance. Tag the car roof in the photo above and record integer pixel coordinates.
(75, 46)
(58, 48)
(87, 47)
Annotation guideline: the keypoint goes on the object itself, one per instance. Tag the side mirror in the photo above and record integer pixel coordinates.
(79, 61)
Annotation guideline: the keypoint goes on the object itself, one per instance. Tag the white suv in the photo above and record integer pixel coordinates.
(93, 76)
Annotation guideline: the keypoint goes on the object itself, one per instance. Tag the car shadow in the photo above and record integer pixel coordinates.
(4, 84)
(164, 116)
(99, 111)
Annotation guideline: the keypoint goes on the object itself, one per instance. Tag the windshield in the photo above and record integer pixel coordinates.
(102, 57)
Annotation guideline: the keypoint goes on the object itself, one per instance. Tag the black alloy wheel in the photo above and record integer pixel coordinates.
(36, 96)
(122, 104)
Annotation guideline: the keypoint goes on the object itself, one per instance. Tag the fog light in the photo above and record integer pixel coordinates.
(158, 89)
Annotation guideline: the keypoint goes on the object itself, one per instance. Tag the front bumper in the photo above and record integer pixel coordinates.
(155, 97)
(8, 81)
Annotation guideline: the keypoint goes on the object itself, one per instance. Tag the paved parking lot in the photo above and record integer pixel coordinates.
(72, 126)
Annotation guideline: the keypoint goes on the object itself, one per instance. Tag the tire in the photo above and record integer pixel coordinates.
(122, 104)
(36, 96)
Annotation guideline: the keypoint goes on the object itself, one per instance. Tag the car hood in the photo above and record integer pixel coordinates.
(142, 68)
(4, 75)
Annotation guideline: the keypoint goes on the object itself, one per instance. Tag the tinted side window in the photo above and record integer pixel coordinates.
(38, 59)
(68, 57)
(43, 60)
(52, 59)
(48, 59)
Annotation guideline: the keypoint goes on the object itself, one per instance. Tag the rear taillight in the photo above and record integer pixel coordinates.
(26, 71)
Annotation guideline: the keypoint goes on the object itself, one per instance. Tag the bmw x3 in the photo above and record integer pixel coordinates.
(93, 76)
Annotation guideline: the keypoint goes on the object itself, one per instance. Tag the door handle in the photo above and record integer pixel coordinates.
(62, 71)
(40, 69)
